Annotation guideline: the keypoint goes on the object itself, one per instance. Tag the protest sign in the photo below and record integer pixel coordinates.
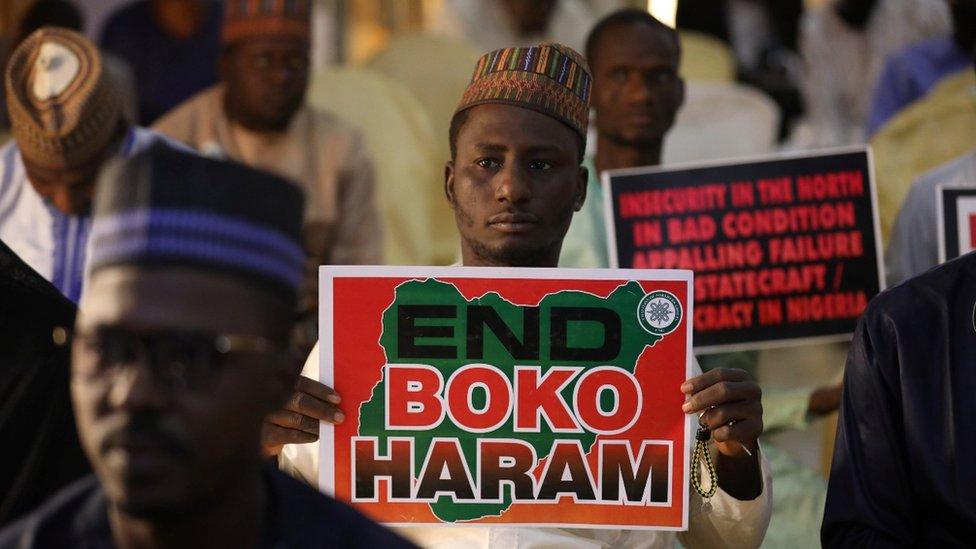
(543, 397)
(785, 249)
(957, 221)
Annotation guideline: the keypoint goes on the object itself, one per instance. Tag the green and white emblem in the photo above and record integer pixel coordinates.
(659, 312)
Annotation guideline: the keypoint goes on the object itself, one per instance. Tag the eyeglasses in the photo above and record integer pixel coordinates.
(180, 360)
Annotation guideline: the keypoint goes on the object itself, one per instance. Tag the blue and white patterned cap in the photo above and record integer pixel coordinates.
(164, 207)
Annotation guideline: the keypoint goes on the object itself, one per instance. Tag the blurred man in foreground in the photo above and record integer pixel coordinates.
(514, 182)
(180, 351)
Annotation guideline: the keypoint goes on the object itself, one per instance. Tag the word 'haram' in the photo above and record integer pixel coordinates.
(621, 477)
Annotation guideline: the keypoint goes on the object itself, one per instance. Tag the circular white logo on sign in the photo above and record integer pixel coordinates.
(55, 69)
(659, 312)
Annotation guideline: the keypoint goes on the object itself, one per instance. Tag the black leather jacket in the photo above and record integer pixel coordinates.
(38, 442)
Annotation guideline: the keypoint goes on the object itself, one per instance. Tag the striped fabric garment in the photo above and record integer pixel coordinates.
(52, 243)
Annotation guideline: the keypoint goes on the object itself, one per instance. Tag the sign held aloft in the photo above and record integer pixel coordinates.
(539, 397)
(785, 249)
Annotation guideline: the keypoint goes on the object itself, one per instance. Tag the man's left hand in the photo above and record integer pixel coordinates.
(732, 406)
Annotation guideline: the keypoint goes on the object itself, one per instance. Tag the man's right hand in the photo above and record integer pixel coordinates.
(298, 421)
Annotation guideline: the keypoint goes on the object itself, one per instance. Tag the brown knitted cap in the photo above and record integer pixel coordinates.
(552, 79)
(245, 19)
(63, 107)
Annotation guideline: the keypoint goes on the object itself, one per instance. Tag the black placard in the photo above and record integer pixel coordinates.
(957, 235)
(784, 249)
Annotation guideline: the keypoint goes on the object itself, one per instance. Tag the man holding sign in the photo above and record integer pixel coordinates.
(514, 181)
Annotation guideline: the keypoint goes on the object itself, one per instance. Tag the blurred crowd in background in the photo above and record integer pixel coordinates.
(776, 75)
(369, 110)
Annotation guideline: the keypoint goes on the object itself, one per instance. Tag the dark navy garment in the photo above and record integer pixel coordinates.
(904, 470)
(297, 517)
(40, 450)
(167, 71)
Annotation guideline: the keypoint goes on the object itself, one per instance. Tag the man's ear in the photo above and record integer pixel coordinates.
(583, 180)
(449, 182)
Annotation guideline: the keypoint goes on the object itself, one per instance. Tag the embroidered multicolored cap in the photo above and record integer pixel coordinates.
(166, 207)
(245, 19)
(552, 79)
(63, 106)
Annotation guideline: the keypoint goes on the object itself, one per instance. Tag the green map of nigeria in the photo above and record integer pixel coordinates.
(430, 322)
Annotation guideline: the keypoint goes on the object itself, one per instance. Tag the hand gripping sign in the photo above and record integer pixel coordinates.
(543, 397)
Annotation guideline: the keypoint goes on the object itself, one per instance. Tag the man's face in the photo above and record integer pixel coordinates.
(266, 80)
(514, 184)
(636, 88)
(168, 421)
(69, 190)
